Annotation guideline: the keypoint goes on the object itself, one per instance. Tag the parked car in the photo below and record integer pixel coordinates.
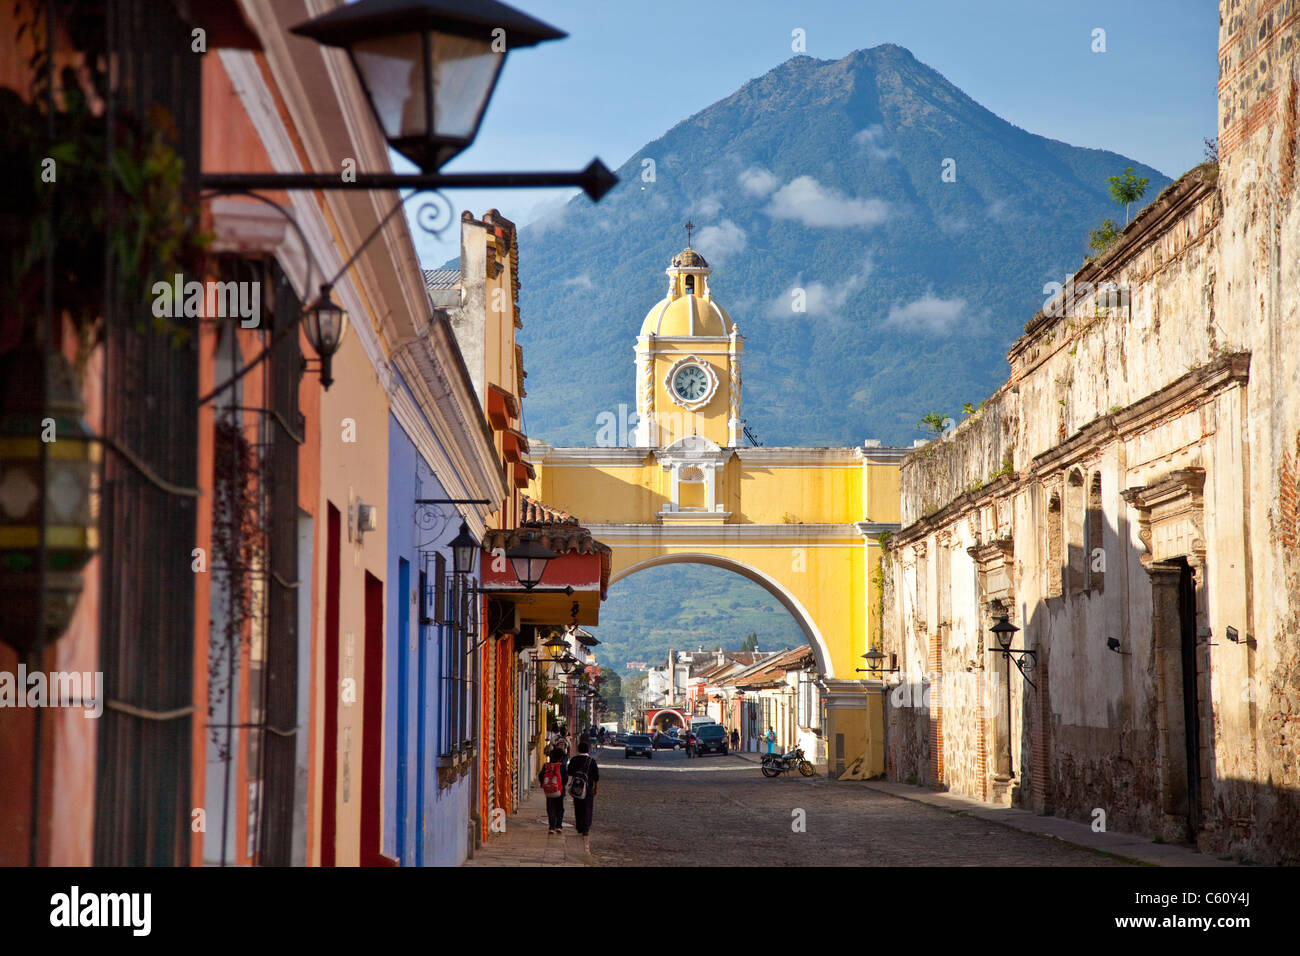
(620, 738)
(638, 745)
(711, 739)
(669, 742)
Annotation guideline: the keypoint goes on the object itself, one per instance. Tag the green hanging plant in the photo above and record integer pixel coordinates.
(118, 212)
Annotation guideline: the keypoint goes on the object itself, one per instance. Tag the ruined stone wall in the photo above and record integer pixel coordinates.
(1257, 792)
(968, 457)
(1180, 395)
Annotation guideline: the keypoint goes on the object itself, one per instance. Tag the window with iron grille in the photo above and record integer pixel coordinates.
(452, 609)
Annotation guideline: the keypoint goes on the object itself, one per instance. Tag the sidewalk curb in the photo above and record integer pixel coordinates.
(1123, 846)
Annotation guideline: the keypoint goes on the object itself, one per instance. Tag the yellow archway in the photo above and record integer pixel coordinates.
(678, 484)
(805, 524)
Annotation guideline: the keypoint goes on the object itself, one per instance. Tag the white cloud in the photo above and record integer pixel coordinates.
(820, 299)
(582, 282)
(757, 181)
(928, 313)
(999, 210)
(951, 225)
(708, 207)
(873, 138)
(808, 201)
(549, 213)
(720, 241)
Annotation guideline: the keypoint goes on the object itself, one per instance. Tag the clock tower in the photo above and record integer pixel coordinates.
(688, 363)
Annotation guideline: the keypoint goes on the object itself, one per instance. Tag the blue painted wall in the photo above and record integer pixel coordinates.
(422, 826)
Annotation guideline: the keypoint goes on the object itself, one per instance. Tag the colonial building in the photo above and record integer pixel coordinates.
(255, 560)
(501, 749)
(1128, 501)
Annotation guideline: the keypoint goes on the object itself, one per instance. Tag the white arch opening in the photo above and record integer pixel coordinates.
(812, 634)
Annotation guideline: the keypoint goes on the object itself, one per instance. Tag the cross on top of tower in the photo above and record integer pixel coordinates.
(689, 226)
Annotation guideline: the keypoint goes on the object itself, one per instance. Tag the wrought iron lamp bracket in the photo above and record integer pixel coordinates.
(1023, 652)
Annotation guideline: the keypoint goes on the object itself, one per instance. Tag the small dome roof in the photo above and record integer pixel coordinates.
(688, 258)
(687, 315)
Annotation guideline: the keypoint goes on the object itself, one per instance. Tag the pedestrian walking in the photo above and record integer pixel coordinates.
(583, 778)
(561, 743)
(735, 739)
(555, 781)
(771, 740)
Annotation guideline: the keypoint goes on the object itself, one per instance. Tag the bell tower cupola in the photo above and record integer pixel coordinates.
(688, 362)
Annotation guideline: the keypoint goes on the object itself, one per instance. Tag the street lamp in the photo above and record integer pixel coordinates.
(428, 67)
(1004, 631)
(875, 663)
(463, 549)
(47, 522)
(325, 323)
(529, 559)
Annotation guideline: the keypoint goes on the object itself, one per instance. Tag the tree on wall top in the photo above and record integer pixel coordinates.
(1126, 189)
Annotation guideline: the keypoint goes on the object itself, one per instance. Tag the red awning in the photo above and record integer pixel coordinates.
(516, 445)
(502, 407)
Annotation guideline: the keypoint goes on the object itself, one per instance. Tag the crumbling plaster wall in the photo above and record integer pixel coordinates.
(1217, 272)
(1258, 792)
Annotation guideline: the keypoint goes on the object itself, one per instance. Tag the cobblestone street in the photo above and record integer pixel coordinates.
(721, 811)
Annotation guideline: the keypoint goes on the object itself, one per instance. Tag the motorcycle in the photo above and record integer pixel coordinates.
(776, 764)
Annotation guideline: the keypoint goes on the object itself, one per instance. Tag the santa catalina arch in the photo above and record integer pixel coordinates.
(804, 523)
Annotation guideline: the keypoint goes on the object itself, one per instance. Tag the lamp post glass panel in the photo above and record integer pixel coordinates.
(325, 324)
(463, 549)
(428, 67)
(529, 560)
(1004, 631)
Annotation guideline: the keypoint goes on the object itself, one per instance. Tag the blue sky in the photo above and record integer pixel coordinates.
(629, 71)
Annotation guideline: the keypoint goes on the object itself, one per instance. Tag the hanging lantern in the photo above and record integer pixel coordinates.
(428, 67)
(47, 469)
(324, 322)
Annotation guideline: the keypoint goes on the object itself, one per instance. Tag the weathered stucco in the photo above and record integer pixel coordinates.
(1147, 440)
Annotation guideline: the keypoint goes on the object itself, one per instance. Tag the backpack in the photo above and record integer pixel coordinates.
(552, 782)
(579, 783)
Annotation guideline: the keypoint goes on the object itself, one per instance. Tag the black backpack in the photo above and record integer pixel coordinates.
(579, 782)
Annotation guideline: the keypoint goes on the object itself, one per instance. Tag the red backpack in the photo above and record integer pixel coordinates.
(552, 782)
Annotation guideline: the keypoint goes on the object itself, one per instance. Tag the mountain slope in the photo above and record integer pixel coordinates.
(825, 177)
(685, 607)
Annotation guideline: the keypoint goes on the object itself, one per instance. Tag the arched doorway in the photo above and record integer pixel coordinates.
(665, 720)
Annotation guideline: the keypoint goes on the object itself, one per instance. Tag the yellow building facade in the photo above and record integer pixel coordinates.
(803, 523)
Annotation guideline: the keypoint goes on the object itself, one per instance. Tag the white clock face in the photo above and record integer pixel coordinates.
(690, 383)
